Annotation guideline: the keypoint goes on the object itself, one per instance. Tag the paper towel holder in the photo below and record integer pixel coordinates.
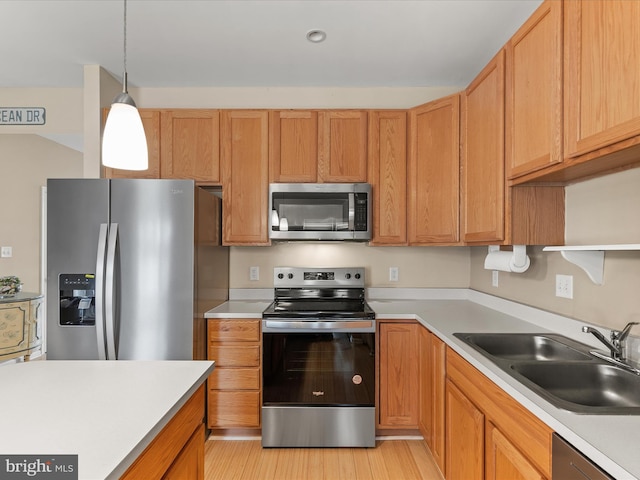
(518, 261)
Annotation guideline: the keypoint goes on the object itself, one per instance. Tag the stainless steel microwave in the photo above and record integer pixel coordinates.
(320, 211)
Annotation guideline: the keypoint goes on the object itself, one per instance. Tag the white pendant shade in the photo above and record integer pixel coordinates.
(124, 144)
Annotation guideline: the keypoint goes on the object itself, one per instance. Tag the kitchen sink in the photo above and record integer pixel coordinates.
(527, 346)
(562, 371)
(586, 385)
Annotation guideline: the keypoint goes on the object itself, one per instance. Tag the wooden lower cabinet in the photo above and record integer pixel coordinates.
(398, 385)
(489, 434)
(234, 386)
(432, 395)
(465, 437)
(189, 465)
(177, 452)
(504, 460)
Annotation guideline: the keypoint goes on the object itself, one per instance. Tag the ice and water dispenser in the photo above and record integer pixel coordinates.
(77, 299)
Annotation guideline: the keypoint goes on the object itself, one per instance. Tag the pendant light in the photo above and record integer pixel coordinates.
(124, 145)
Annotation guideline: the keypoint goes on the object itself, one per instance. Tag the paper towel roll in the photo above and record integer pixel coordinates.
(498, 261)
(505, 262)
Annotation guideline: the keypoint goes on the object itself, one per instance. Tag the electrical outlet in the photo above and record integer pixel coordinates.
(564, 286)
(393, 274)
(494, 278)
(6, 252)
(254, 273)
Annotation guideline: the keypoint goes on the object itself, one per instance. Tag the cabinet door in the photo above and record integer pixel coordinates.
(425, 413)
(151, 123)
(533, 136)
(342, 146)
(504, 460)
(438, 429)
(189, 464)
(14, 328)
(293, 143)
(483, 180)
(465, 437)
(191, 145)
(398, 386)
(602, 67)
(245, 177)
(434, 172)
(388, 176)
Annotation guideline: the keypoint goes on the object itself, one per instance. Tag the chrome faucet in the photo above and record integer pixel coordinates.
(617, 344)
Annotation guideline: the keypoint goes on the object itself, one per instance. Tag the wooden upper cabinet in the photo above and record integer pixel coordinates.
(245, 176)
(388, 176)
(293, 142)
(483, 178)
(602, 68)
(533, 102)
(342, 146)
(151, 123)
(191, 145)
(434, 172)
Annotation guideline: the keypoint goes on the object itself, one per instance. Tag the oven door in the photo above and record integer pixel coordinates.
(318, 383)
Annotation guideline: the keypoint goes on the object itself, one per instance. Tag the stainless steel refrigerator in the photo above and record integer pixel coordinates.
(132, 266)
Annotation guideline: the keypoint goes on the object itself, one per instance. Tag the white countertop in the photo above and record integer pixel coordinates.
(105, 412)
(611, 441)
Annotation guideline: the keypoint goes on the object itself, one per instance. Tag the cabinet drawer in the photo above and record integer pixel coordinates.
(234, 409)
(234, 330)
(235, 379)
(235, 355)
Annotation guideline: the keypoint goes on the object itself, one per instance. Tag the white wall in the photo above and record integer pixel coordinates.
(602, 210)
(26, 161)
(425, 267)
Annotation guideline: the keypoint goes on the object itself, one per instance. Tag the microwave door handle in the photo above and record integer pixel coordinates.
(352, 212)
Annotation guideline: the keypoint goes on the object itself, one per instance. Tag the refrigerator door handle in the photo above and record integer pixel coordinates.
(109, 292)
(100, 267)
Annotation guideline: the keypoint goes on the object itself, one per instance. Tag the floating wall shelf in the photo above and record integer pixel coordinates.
(589, 257)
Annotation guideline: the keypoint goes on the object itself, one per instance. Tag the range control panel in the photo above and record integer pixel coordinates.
(299, 277)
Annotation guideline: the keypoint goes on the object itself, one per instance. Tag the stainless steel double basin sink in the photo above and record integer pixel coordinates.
(561, 370)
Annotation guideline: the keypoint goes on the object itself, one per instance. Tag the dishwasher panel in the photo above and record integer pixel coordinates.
(567, 463)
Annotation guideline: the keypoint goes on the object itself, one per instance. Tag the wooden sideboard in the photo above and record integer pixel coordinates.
(21, 325)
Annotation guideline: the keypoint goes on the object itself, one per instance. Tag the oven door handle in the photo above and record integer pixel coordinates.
(320, 325)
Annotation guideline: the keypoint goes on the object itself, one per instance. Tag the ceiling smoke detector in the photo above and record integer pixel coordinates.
(316, 36)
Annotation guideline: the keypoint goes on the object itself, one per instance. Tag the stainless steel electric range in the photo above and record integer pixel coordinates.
(318, 360)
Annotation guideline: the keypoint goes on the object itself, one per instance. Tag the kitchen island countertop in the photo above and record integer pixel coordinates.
(106, 412)
(610, 441)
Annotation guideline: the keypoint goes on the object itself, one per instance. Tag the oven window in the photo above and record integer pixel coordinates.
(333, 369)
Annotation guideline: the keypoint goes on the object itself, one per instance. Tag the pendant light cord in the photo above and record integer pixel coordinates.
(124, 76)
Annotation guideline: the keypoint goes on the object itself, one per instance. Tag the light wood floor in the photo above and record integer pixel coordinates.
(389, 460)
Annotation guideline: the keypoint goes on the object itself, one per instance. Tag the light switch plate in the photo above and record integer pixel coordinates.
(6, 252)
(393, 274)
(254, 273)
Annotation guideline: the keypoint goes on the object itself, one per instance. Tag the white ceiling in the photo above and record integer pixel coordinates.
(199, 43)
